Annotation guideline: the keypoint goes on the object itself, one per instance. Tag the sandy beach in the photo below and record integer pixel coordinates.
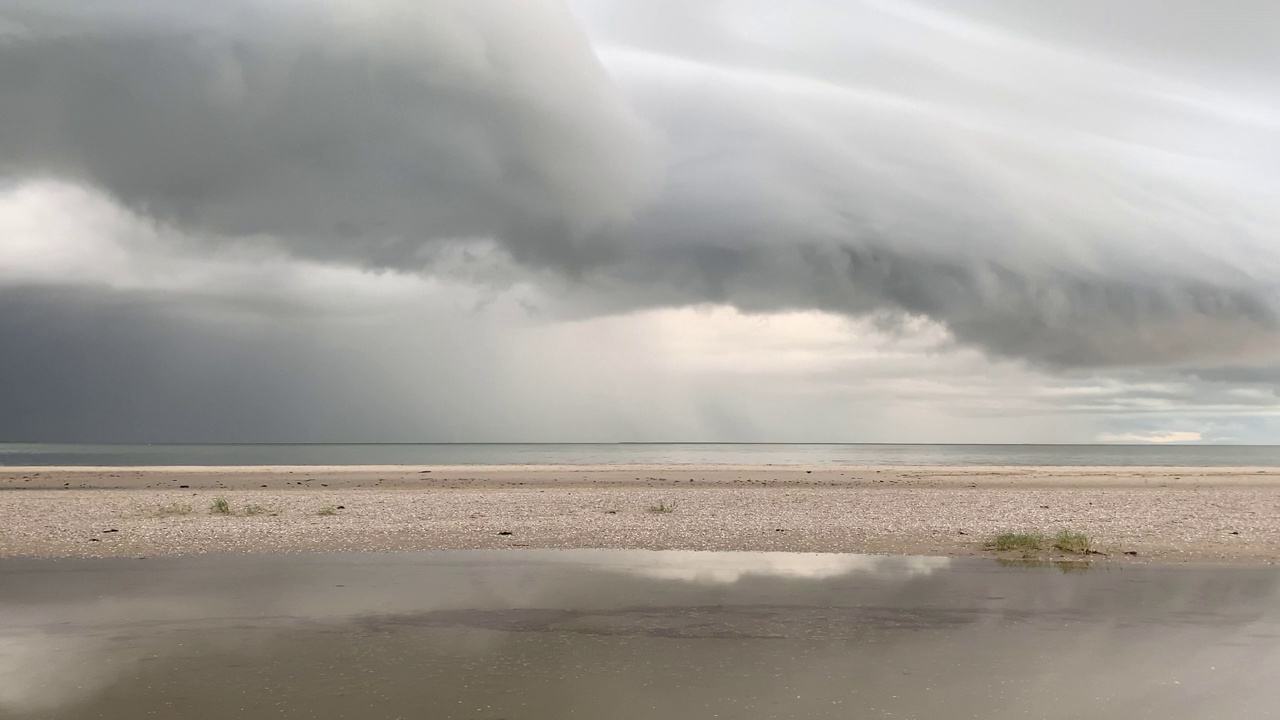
(1133, 514)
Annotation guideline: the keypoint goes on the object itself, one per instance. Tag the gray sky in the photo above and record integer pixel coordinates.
(475, 220)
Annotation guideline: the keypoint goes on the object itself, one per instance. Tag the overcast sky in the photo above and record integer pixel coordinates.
(739, 220)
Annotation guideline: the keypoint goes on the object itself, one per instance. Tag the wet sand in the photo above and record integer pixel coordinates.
(632, 636)
(1133, 514)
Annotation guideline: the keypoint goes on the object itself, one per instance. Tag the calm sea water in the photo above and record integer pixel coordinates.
(627, 453)
(632, 635)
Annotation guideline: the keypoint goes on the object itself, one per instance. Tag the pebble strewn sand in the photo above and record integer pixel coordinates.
(1161, 514)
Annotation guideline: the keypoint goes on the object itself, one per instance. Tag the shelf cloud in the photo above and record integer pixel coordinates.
(1080, 189)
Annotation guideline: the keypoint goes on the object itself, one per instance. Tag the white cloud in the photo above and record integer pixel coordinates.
(63, 234)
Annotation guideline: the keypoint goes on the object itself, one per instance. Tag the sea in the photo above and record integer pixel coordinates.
(50, 454)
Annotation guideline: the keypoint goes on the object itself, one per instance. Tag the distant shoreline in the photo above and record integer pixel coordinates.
(1161, 514)
(121, 477)
(624, 453)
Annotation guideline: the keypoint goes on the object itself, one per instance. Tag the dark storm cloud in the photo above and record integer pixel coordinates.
(357, 131)
(1042, 201)
(1050, 316)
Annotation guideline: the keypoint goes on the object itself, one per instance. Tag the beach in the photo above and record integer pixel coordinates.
(1132, 514)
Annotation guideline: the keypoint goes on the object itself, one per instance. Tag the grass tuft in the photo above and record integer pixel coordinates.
(259, 510)
(663, 507)
(1074, 542)
(327, 510)
(220, 506)
(1024, 541)
(1071, 542)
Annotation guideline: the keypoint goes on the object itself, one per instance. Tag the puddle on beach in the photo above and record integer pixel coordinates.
(624, 635)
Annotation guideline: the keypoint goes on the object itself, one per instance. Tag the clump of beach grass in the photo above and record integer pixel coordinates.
(327, 510)
(1023, 541)
(1032, 543)
(1073, 541)
(171, 510)
(259, 510)
(220, 506)
(663, 507)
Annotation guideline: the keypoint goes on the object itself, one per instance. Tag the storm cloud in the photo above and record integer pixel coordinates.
(357, 131)
(1075, 190)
